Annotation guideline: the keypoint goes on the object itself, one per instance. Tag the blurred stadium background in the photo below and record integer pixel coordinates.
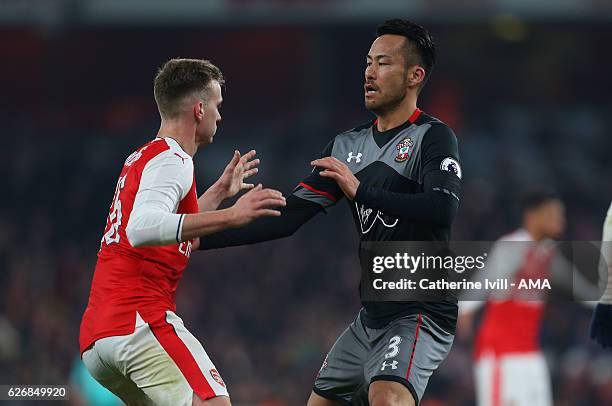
(525, 84)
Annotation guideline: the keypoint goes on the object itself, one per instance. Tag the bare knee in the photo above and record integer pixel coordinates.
(384, 393)
(216, 401)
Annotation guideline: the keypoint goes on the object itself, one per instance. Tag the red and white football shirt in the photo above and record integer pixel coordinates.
(155, 189)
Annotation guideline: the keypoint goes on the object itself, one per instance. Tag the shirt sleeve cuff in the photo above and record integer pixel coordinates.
(179, 229)
(170, 228)
(363, 193)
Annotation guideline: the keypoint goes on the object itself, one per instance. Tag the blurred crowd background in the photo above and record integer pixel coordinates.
(525, 85)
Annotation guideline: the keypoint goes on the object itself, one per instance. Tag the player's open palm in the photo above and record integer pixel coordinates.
(258, 202)
(237, 171)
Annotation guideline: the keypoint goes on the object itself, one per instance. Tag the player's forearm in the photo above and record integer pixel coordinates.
(294, 215)
(433, 206)
(260, 230)
(211, 198)
(155, 228)
(205, 223)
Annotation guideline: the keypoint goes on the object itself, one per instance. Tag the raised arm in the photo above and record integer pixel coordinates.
(441, 179)
(165, 181)
(312, 195)
(231, 182)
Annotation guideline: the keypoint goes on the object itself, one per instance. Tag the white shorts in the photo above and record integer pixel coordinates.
(513, 379)
(161, 363)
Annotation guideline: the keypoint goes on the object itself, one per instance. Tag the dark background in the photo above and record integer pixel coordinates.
(527, 93)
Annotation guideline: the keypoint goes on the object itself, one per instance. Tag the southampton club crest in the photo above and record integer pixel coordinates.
(403, 149)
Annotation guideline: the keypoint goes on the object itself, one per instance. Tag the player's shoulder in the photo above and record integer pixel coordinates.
(356, 132)
(159, 151)
(517, 235)
(435, 126)
(359, 129)
(427, 119)
(175, 151)
(350, 135)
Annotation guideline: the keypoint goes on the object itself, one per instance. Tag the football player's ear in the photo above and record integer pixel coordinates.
(416, 75)
(198, 111)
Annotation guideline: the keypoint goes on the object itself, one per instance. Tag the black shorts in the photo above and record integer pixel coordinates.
(407, 351)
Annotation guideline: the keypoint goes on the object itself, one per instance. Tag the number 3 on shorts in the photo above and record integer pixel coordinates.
(393, 347)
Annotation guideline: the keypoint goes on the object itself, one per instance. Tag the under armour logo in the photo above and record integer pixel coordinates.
(392, 364)
(351, 156)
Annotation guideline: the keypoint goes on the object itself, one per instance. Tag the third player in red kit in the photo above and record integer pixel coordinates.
(131, 339)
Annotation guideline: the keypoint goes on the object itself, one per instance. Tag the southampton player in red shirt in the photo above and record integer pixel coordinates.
(131, 340)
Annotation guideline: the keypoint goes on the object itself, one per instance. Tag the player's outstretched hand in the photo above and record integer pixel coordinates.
(601, 325)
(338, 171)
(258, 202)
(236, 172)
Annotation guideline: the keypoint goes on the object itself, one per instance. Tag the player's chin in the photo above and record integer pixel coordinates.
(204, 141)
(209, 139)
(369, 102)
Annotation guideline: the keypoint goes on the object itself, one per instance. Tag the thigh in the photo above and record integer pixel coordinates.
(486, 380)
(525, 380)
(164, 361)
(408, 352)
(342, 372)
(173, 364)
(113, 380)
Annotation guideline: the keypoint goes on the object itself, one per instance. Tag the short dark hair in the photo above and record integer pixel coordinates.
(420, 48)
(180, 77)
(533, 199)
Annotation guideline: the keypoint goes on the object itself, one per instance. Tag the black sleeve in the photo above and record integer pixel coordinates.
(318, 189)
(293, 216)
(441, 179)
(311, 196)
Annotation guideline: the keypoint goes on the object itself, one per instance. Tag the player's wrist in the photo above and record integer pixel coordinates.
(218, 193)
(353, 191)
(234, 219)
(221, 190)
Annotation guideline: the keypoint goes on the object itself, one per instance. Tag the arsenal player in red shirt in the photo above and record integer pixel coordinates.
(131, 339)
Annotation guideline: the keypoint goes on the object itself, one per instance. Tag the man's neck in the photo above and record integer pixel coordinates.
(183, 135)
(534, 232)
(398, 116)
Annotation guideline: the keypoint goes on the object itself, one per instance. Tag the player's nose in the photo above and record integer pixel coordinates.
(370, 73)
